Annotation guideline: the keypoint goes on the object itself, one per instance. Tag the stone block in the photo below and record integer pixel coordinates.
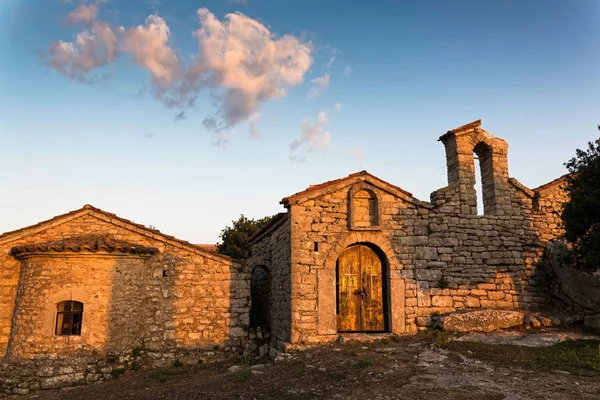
(480, 320)
(441, 301)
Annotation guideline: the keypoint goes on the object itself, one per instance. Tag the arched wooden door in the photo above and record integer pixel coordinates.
(360, 290)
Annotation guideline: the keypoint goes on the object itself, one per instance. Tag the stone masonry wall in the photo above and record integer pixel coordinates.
(441, 256)
(272, 250)
(448, 260)
(547, 205)
(178, 298)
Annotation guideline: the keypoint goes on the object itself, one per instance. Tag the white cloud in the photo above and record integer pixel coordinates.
(319, 85)
(240, 62)
(247, 63)
(84, 14)
(254, 133)
(332, 56)
(348, 70)
(92, 48)
(313, 138)
(338, 106)
(148, 46)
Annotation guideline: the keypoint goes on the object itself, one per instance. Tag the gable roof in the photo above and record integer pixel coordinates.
(362, 176)
(86, 243)
(109, 218)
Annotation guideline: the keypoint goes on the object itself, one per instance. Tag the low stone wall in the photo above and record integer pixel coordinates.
(55, 371)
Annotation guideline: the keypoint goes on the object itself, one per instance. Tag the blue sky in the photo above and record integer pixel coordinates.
(368, 85)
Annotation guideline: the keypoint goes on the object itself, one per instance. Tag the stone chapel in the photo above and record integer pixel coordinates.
(356, 254)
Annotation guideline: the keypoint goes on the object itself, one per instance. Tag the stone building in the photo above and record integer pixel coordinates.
(356, 254)
(90, 282)
(359, 254)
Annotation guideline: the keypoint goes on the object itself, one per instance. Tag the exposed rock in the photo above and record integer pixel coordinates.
(235, 368)
(532, 321)
(592, 321)
(581, 288)
(273, 353)
(536, 339)
(546, 322)
(430, 356)
(480, 320)
(263, 350)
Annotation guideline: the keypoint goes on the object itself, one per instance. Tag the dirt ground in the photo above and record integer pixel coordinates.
(418, 367)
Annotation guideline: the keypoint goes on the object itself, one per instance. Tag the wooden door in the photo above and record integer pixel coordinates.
(360, 290)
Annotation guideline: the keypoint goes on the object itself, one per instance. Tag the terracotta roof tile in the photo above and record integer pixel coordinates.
(212, 248)
(89, 243)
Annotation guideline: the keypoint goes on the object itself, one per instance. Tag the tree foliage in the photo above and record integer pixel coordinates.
(581, 214)
(235, 239)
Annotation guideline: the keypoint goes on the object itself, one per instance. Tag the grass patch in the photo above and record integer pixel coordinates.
(163, 375)
(242, 376)
(177, 364)
(353, 348)
(137, 351)
(579, 357)
(363, 362)
(441, 340)
(117, 371)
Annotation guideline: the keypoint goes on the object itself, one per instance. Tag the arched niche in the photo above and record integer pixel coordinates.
(363, 208)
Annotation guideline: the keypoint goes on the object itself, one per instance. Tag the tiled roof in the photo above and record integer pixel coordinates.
(89, 243)
(324, 185)
(212, 248)
(88, 209)
(554, 182)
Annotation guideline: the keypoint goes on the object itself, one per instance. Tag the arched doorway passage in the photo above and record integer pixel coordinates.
(362, 290)
(260, 293)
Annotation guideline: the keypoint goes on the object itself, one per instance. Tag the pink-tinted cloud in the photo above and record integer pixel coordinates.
(85, 14)
(243, 59)
(92, 48)
(313, 138)
(319, 85)
(148, 46)
(240, 63)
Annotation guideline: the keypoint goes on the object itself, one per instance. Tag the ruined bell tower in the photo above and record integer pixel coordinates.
(463, 145)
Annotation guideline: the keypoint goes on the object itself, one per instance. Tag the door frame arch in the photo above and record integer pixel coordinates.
(326, 299)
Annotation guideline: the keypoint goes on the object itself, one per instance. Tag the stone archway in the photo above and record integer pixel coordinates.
(326, 283)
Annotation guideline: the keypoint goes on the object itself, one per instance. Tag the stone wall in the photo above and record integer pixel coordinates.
(179, 297)
(547, 205)
(22, 376)
(272, 250)
(440, 257)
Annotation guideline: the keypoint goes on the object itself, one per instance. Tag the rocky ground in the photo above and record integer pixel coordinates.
(431, 366)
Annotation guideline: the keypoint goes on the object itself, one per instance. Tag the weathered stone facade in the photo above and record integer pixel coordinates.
(438, 256)
(139, 288)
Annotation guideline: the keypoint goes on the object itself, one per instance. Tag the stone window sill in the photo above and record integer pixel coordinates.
(365, 228)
